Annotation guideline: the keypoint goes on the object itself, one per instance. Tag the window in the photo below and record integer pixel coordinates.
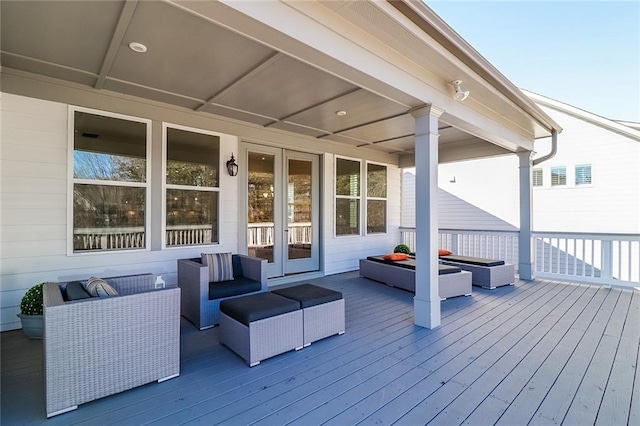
(376, 199)
(537, 177)
(558, 176)
(583, 174)
(347, 197)
(192, 187)
(110, 181)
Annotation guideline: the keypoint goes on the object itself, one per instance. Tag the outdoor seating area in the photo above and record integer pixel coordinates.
(540, 351)
(452, 281)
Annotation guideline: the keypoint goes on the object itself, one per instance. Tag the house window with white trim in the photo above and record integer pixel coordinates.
(192, 187)
(376, 198)
(583, 174)
(110, 181)
(558, 176)
(537, 177)
(347, 197)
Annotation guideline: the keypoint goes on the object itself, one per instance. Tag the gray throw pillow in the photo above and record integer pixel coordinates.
(97, 287)
(220, 266)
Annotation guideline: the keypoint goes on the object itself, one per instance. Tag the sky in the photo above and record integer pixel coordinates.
(583, 53)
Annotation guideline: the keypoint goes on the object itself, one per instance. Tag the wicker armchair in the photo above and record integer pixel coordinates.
(201, 299)
(101, 346)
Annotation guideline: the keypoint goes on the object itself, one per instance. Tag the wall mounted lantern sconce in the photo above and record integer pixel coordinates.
(460, 95)
(232, 167)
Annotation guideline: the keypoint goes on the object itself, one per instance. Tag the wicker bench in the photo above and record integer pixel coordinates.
(260, 326)
(452, 281)
(322, 310)
(487, 273)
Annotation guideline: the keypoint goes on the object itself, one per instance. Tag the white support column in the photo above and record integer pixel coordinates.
(525, 242)
(426, 303)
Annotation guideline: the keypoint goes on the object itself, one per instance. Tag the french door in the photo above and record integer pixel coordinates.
(282, 205)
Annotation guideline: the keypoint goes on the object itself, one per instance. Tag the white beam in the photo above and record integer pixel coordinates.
(525, 249)
(426, 303)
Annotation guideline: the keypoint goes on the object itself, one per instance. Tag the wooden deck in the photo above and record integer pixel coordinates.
(538, 352)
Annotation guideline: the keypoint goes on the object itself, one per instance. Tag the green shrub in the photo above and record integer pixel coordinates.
(31, 303)
(402, 248)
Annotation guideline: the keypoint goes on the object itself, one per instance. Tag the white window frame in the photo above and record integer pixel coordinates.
(71, 181)
(367, 198)
(224, 141)
(347, 197)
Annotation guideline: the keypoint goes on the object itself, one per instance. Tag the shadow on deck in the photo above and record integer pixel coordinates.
(539, 352)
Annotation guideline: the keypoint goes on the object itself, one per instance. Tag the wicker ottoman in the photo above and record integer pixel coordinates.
(260, 326)
(323, 310)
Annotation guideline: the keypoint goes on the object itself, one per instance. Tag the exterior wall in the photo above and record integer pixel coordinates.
(466, 199)
(33, 208)
(611, 204)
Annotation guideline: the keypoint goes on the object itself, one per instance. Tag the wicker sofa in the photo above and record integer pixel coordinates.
(101, 346)
(201, 299)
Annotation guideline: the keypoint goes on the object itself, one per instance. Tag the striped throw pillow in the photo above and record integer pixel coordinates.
(220, 266)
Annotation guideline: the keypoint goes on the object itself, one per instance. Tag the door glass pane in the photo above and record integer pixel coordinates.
(260, 232)
(299, 209)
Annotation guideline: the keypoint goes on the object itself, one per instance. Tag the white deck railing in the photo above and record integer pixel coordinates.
(258, 235)
(606, 259)
(261, 234)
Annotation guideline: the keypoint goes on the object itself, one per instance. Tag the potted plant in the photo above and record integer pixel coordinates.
(31, 312)
(402, 248)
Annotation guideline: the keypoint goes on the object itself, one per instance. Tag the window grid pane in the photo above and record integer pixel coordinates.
(583, 174)
(558, 176)
(191, 217)
(376, 198)
(537, 177)
(192, 161)
(110, 213)
(108, 217)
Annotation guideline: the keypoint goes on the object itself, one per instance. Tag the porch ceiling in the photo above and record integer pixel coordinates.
(198, 64)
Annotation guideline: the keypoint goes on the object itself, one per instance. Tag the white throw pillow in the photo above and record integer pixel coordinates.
(97, 287)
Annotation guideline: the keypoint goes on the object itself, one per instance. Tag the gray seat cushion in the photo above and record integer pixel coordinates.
(411, 264)
(239, 285)
(309, 295)
(472, 260)
(259, 306)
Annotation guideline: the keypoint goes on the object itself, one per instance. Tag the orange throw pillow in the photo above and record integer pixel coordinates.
(443, 252)
(396, 256)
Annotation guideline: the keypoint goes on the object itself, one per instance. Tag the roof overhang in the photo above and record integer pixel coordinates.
(284, 65)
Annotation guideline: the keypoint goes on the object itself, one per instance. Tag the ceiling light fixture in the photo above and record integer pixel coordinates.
(460, 95)
(137, 47)
(341, 113)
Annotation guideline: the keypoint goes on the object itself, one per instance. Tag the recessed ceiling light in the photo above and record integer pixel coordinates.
(341, 113)
(137, 47)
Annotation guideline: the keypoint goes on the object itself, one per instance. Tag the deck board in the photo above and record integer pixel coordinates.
(535, 352)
